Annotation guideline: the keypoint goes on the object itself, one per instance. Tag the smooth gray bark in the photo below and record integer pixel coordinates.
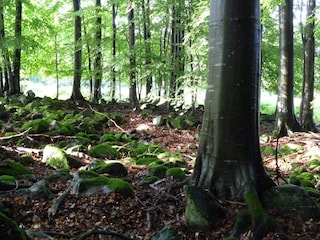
(76, 90)
(229, 161)
(306, 107)
(286, 119)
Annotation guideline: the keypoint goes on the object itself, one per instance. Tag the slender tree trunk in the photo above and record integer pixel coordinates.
(7, 72)
(98, 55)
(89, 59)
(114, 51)
(306, 107)
(286, 119)
(133, 84)
(76, 90)
(147, 38)
(56, 62)
(229, 161)
(14, 85)
(177, 55)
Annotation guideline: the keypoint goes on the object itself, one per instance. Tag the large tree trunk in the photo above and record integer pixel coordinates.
(14, 83)
(133, 82)
(306, 107)
(286, 119)
(229, 161)
(76, 90)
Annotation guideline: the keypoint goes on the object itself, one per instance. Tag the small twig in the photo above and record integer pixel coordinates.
(103, 232)
(19, 135)
(105, 115)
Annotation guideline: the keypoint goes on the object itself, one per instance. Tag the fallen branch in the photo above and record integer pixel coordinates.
(103, 232)
(74, 185)
(19, 135)
(105, 115)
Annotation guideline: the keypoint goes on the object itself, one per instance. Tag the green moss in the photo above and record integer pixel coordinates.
(176, 173)
(12, 168)
(148, 180)
(104, 150)
(158, 170)
(120, 186)
(12, 230)
(55, 157)
(146, 160)
(37, 126)
(26, 159)
(87, 174)
(95, 181)
(7, 182)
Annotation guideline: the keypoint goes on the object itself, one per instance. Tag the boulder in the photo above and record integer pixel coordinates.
(289, 198)
(55, 157)
(202, 211)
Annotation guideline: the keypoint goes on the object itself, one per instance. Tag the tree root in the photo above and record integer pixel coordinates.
(256, 221)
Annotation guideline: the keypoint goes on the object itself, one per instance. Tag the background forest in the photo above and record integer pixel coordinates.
(161, 47)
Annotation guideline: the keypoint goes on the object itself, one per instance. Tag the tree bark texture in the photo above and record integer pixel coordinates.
(133, 82)
(14, 83)
(229, 161)
(147, 37)
(306, 107)
(7, 72)
(114, 50)
(76, 90)
(177, 55)
(98, 55)
(286, 119)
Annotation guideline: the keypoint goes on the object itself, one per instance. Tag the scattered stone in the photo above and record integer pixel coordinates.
(104, 150)
(55, 157)
(7, 183)
(290, 198)
(176, 172)
(202, 211)
(167, 233)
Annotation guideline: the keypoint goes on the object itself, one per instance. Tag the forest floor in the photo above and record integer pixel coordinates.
(155, 206)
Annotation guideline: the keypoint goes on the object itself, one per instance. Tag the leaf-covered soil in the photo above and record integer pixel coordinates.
(153, 206)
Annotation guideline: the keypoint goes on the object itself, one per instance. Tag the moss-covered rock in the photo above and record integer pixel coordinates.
(104, 150)
(55, 157)
(10, 229)
(202, 211)
(87, 174)
(305, 179)
(166, 233)
(176, 173)
(89, 186)
(158, 170)
(58, 175)
(293, 199)
(148, 180)
(114, 169)
(37, 126)
(120, 186)
(12, 168)
(7, 182)
(26, 159)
